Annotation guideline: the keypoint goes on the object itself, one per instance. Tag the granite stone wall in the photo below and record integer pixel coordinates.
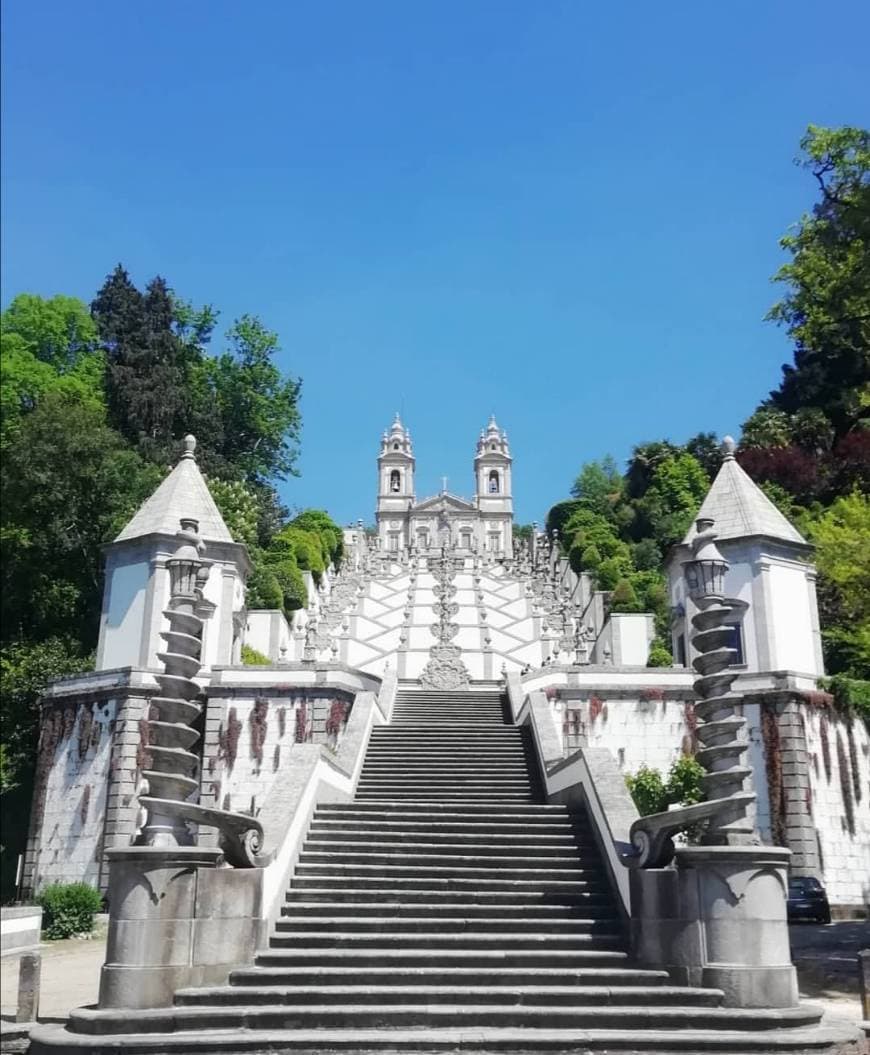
(248, 739)
(839, 795)
(71, 793)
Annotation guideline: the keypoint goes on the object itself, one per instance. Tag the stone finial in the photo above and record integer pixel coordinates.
(189, 446)
(728, 448)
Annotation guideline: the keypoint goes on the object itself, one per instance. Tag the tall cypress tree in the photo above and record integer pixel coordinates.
(145, 378)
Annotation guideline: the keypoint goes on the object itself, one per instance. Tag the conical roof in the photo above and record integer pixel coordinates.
(740, 509)
(183, 493)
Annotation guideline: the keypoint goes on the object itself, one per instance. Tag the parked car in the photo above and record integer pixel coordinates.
(807, 900)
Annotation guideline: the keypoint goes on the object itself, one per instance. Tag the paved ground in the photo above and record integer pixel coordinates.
(825, 958)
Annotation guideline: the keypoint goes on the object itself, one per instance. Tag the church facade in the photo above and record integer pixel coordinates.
(482, 524)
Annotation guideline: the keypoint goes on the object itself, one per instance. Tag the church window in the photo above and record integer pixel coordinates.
(493, 483)
(395, 481)
(394, 542)
(735, 641)
(466, 540)
(395, 446)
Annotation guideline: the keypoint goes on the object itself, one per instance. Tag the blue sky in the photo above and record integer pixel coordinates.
(563, 212)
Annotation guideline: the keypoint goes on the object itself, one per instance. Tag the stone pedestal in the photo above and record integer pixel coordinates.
(718, 919)
(175, 919)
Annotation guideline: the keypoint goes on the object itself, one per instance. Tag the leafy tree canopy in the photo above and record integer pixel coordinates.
(826, 308)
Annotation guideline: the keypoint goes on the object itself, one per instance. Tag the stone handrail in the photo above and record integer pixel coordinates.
(588, 777)
(312, 775)
(651, 836)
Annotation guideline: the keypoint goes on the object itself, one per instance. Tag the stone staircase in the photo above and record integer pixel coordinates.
(448, 908)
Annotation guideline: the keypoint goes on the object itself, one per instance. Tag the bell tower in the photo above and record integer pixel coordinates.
(493, 494)
(396, 465)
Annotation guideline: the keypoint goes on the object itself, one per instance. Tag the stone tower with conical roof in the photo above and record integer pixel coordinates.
(771, 573)
(136, 589)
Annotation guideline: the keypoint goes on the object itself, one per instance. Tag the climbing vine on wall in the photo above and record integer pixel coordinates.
(845, 785)
(596, 707)
(826, 747)
(259, 726)
(84, 805)
(86, 721)
(303, 731)
(282, 722)
(336, 717)
(143, 758)
(228, 738)
(853, 760)
(773, 765)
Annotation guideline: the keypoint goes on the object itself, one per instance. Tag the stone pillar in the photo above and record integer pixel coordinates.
(787, 765)
(176, 920)
(718, 920)
(122, 805)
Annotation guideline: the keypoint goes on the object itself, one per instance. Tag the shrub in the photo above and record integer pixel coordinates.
(651, 794)
(624, 598)
(647, 789)
(252, 658)
(68, 909)
(659, 654)
(684, 781)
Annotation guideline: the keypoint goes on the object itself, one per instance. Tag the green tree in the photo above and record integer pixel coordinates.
(841, 535)
(599, 487)
(144, 364)
(47, 346)
(258, 407)
(624, 598)
(826, 309)
(69, 483)
(677, 488)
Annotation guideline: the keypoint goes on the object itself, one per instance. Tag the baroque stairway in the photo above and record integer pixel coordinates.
(448, 908)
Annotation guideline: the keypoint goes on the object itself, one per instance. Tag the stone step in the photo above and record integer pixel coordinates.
(445, 798)
(468, 775)
(426, 913)
(529, 868)
(466, 766)
(513, 896)
(442, 780)
(466, 977)
(432, 832)
(515, 995)
(472, 823)
(416, 941)
(382, 956)
(533, 813)
(411, 862)
(824, 1040)
(440, 923)
(339, 879)
(433, 1016)
(434, 753)
(392, 842)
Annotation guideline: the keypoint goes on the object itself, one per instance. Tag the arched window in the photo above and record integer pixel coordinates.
(395, 481)
(395, 446)
(493, 483)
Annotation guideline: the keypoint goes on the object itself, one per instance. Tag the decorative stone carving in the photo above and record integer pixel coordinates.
(445, 669)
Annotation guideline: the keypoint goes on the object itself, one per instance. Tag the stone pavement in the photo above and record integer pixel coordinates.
(70, 976)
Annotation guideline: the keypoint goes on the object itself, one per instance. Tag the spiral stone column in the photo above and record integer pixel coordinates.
(173, 774)
(717, 918)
